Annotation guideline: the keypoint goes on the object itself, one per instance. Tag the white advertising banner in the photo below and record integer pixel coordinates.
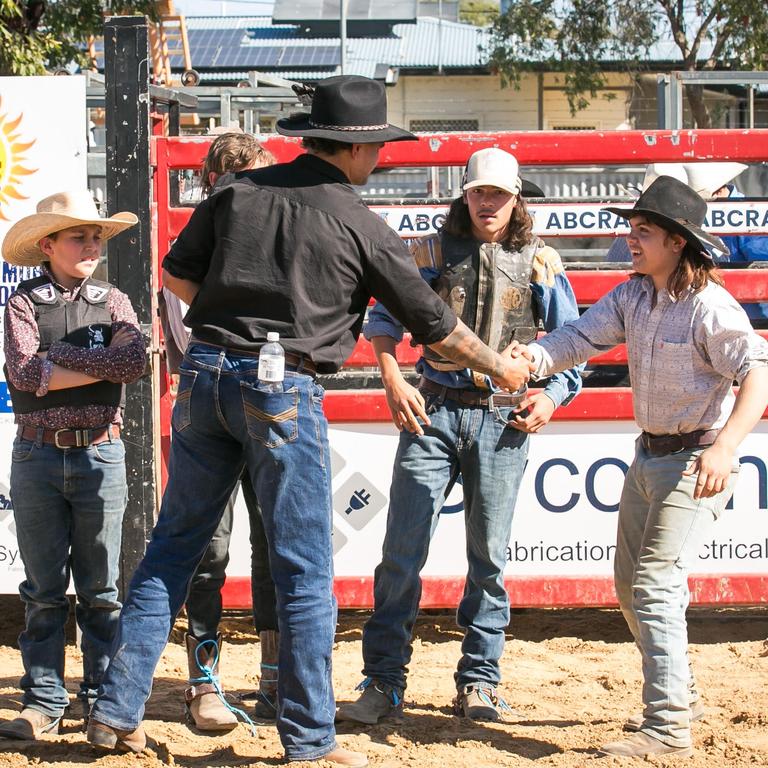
(43, 149)
(565, 517)
(574, 219)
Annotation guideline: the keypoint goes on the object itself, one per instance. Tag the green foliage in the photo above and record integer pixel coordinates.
(478, 12)
(59, 38)
(585, 38)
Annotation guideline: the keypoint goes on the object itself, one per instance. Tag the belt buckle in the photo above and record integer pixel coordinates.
(56, 437)
(679, 441)
(81, 438)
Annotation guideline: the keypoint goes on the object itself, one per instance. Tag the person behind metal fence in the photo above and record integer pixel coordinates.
(687, 341)
(71, 344)
(289, 249)
(501, 280)
(205, 706)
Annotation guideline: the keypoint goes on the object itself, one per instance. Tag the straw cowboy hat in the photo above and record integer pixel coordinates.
(674, 206)
(704, 178)
(54, 213)
(347, 108)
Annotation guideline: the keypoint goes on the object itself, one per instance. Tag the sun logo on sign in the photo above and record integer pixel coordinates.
(11, 161)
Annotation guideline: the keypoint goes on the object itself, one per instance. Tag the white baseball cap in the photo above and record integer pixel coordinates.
(493, 167)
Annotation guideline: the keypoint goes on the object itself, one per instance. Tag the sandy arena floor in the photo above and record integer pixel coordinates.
(572, 675)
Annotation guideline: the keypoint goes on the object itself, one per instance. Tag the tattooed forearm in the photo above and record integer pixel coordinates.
(461, 346)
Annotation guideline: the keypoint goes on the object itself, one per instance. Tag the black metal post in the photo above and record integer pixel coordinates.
(129, 261)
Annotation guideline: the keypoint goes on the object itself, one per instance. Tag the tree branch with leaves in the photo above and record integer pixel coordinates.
(584, 39)
(36, 36)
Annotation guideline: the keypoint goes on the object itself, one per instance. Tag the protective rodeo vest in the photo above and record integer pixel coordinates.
(489, 288)
(84, 322)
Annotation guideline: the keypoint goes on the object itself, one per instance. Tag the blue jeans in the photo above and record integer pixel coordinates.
(222, 420)
(69, 505)
(661, 531)
(204, 603)
(491, 458)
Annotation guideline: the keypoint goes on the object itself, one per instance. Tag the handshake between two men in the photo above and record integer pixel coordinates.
(509, 370)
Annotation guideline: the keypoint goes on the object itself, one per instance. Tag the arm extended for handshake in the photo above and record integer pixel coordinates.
(406, 403)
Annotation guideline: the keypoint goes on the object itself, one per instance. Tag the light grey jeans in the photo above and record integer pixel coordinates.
(661, 532)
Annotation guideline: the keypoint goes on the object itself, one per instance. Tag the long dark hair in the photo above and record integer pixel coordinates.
(694, 271)
(459, 224)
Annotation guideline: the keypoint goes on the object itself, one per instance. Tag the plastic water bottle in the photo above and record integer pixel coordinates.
(272, 363)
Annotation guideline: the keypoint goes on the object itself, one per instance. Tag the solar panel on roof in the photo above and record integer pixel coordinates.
(206, 46)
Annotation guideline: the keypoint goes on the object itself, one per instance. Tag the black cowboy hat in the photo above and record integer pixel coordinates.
(347, 108)
(674, 206)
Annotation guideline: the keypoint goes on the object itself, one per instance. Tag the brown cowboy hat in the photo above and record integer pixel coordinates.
(347, 108)
(674, 206)
(54, 213)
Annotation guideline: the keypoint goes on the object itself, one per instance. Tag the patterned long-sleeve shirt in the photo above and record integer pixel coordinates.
(555, 304)
(115, 364)
(683, 355)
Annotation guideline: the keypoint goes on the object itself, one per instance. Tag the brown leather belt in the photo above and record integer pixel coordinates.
(71, 438)
(301, 363)
(472, 397)
(662, 445)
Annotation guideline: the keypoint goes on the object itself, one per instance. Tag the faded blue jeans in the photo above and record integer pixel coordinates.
(662, 529)
(491, 458)
(224, 418)
(68, 504)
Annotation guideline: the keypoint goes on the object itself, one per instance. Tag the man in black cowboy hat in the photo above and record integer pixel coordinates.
(288, 249)
(687, 341)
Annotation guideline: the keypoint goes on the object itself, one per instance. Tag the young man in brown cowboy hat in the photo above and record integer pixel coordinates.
(71, 343)
(687, 341)
(289, 249)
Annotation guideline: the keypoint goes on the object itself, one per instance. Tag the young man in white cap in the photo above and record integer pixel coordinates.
(71, 344)
(687, 342)
(501, 280)
(288, 249)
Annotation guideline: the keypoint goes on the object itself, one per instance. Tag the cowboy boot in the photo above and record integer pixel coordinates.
(266, 697)
(205, 709)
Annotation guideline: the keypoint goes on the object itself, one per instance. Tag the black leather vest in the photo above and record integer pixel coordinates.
(84, 322)
(489, 288)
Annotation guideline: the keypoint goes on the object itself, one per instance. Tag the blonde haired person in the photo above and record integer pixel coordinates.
(205, 707)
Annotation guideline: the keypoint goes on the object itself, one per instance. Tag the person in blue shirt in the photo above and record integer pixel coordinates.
(503, 282)
(745, 249)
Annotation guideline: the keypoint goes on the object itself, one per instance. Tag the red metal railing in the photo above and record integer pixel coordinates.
(532, 149)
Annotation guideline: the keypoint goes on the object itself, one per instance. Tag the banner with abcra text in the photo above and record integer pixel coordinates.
(43, 149)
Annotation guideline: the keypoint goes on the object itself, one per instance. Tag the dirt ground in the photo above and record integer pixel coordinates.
(571, 675)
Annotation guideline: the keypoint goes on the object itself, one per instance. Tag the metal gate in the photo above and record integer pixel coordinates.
(570, 475)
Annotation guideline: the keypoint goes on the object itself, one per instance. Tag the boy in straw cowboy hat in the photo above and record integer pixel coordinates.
(71, 343)
(687, 341)
(292, 249)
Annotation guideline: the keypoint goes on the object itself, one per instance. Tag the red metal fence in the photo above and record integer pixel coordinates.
(531, 149)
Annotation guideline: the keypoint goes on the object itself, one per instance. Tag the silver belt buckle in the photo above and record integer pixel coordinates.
(56, 438)
(81, 438)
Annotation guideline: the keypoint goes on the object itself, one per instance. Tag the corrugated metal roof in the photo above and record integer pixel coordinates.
(429, 43)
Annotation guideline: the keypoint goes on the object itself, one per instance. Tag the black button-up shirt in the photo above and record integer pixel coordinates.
(292, 248)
